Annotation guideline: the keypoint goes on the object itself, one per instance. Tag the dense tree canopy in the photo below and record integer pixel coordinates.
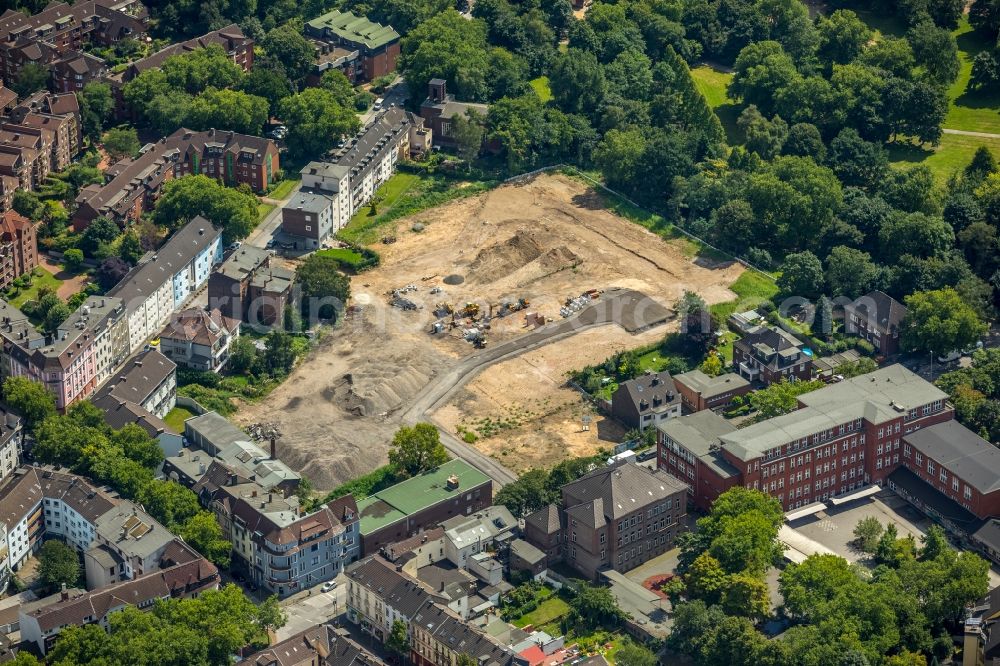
(184, 198)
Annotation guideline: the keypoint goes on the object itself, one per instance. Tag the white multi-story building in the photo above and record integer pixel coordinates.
(333, 191)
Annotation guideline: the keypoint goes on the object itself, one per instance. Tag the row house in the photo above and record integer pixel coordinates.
(181, 574)
(282, 548)
(334, 190)
(230, 40)
(133, 186)
(378, 594)
(365, 50)
(54, 38)
(842, 437)
(321, 645)
(18, 247)
(614, 518)
(438, 637)
(157, 288)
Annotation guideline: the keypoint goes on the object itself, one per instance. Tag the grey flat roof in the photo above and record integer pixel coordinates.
(700, 434)
(216, 429)
(878, 397)
(966, 455)
(309, 201)
(243, 261)
(710, 387)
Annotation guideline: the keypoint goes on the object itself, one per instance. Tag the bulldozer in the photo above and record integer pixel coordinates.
(471, 310)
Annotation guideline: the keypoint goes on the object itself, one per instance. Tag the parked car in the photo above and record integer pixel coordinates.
(949, 357)
(330, 585)
(648, 454)
(378, 104)
(972, 348)
(235, 246)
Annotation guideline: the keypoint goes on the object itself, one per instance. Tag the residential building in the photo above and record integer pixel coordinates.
(334, 190)
(545, 530)
(230, 39)
(73, 360)
(378, 595)
(281, 548)
(321, 645)
(646, 400)
(440, 107)
(55, 113)
(525, 557)
(438, 636)
(18, 247)
(878, 318)
(376, 46)
(142, 392)
(128, 543)
(616, 517)
(158, 287)
(8, 100)
(182, 574)
(426, 500)
(54, 37)
(468, 535)
(767, 354)
(199, 340)
(132, 186)
(699, 391)
(11, 444)
(981, 642)
(246, 287)
(842, 438)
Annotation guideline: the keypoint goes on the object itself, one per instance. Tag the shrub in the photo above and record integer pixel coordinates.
(865, 347)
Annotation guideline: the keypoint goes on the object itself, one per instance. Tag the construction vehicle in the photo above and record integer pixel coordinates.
(471, 310)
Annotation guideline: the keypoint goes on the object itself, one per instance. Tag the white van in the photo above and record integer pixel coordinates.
(378, 104)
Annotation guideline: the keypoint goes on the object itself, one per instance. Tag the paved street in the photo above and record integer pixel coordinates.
(311, 607)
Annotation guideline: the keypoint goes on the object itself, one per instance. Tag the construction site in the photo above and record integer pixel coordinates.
(461, 282)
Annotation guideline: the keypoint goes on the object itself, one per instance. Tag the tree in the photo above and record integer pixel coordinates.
(96, 104)
(712, 365)
(450, 47)
(398, 641)
(761, 71)
(316, 122)
(232, 209)
(939, 322)
(232, 110)
(130, 248)
(706, 579)
(169, 502)
(822, 324)
(764, 137)
(594, 607)
(121, 142)
(867, 534)
(242, 356)
(936, 51)
(780, 397)
(287, 45)
(985, 72)
(577, 82)
(28, 204)
(111, 271)
(808, 586)
(416, 449)
(526, 495)
(916, 234)
(271, 83)
(467, 131)
(31, 78)
(279, 354)
(633, 654)
(857, 162)
(100, 231)
(801, 275)
(842, 36)
(696, 319)
(58, 564)
(850, 272)
(30, 399)
(804, 140)
(205, 536)
(73, 259)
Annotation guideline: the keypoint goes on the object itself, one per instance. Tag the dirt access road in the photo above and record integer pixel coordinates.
(544, 241)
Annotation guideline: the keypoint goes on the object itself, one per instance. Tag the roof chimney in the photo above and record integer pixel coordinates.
(274, 447)
(63, 593)
(452, 482)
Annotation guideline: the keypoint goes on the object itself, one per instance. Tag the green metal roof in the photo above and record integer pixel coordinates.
(413, 495)
(357, 29)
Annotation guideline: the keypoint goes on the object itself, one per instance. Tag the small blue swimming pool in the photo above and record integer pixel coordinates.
(807, 351)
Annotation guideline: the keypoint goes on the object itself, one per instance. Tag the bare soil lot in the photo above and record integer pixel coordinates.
(543, 241)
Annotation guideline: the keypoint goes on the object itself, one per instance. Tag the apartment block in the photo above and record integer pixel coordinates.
(379, 595)
(365, 50)
(614, 518)
(198, 339)
(132, 186)
(334, 190)
(878, 318)
(246, 287)
(645, 401)
(282, 548)
(322, 645)
(54, 38)
(842, 437)
(18, 247)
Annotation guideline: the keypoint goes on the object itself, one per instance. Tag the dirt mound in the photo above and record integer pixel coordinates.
(375, 390)
(559, 258)
(501, 259)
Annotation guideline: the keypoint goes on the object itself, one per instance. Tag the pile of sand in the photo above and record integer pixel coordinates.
(501, 259)
(375, 389)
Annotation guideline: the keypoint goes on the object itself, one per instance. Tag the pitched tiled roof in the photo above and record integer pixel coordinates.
(622, 489)
(200, 327)
(655, 391)
(27, 486)
(546, 519)
(886, 312)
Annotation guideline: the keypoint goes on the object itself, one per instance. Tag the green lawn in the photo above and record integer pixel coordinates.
(953, 154)
(713, 83)
(283, 189)
(751, 289)
(973, 112)
(40, 278)
(176, 417)
(541, 88)
(390, 192)
(547, 612)
(263, 209)
(343, 254)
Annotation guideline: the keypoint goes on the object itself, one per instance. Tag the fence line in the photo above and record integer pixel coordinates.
(569, 167)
